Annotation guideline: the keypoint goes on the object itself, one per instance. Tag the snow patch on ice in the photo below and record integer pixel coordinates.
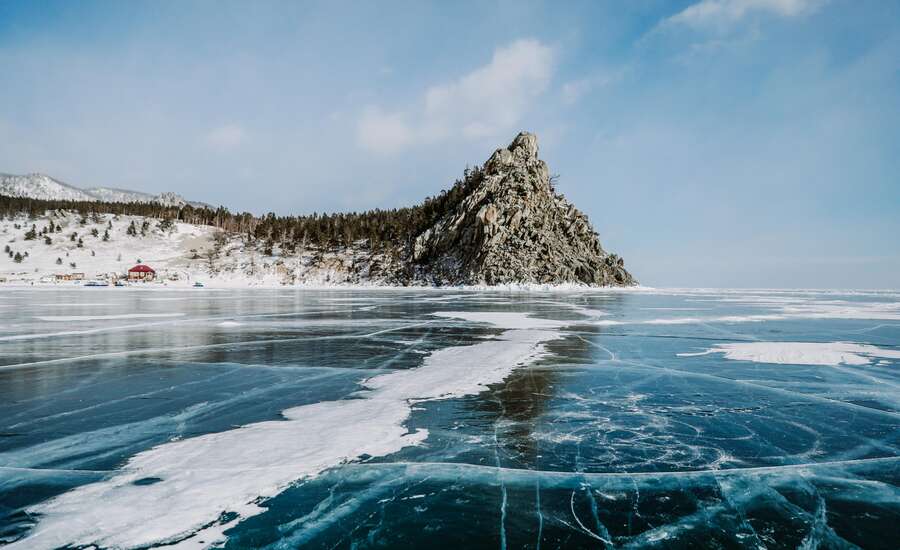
(801, 353)
(502, 319)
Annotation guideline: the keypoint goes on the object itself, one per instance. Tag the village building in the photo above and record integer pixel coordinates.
(69, 276)
(141, 272)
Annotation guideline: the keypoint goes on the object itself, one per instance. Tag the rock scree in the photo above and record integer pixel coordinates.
(512, 227)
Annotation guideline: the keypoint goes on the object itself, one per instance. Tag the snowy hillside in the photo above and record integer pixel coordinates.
(43, 187)
(39, 186)
(99, 248)
(105, 246)
(111, 194)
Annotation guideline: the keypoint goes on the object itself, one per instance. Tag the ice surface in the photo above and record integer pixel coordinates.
(396, 418)
(201, 478)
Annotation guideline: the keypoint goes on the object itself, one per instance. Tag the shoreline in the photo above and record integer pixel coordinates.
(507, 288)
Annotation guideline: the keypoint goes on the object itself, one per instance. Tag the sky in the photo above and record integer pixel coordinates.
(712, 143)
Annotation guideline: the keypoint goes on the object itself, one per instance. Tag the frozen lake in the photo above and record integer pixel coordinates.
(388, 418)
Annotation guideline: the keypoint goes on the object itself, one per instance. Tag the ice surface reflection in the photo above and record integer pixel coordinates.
(355, 419)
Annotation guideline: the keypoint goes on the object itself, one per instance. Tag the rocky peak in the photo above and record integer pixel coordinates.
(512, 227)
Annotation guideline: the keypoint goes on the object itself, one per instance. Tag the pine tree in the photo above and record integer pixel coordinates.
(94, 232)
(48, 240)
(59, 261)
(31, 234)
(106, 236)
(80, 243)
(18, 258)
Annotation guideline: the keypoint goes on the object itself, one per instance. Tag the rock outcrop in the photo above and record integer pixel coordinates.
(511, 227)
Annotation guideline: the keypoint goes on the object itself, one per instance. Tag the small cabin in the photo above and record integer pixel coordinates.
(141, 272)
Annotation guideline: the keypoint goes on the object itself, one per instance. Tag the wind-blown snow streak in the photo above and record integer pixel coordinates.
(800, 353)
(204, 481)
(70, 318)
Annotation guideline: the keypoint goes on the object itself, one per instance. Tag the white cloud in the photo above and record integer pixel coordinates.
(225, 137)
(384, 132)
(722, 13)
(488, 101)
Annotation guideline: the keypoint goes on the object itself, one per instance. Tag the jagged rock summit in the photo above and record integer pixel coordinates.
(512, 227)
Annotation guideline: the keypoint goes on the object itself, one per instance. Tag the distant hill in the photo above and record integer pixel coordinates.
(44, 187)
(502, 224)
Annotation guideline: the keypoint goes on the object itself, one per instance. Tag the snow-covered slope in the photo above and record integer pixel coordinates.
(111, 194)
(40, 186)
(103, 248)
(43, 187)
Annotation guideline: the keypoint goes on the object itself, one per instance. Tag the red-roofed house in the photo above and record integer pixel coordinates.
(141, 272)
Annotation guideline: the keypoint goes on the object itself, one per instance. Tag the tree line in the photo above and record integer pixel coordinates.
(377, 229)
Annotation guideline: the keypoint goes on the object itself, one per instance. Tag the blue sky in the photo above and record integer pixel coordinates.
(711, 142)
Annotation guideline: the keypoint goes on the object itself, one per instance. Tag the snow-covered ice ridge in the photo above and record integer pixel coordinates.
(196, 479)
(43, 187)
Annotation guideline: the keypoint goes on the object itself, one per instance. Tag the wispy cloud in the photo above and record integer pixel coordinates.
(574, 90)
(719, 14)
(487, 102)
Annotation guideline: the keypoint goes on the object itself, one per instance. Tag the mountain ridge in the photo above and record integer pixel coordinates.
(36, 185)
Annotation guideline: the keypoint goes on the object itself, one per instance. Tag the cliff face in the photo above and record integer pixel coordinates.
(513, 228)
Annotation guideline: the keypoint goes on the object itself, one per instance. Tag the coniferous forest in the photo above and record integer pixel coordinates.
(378, 228)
